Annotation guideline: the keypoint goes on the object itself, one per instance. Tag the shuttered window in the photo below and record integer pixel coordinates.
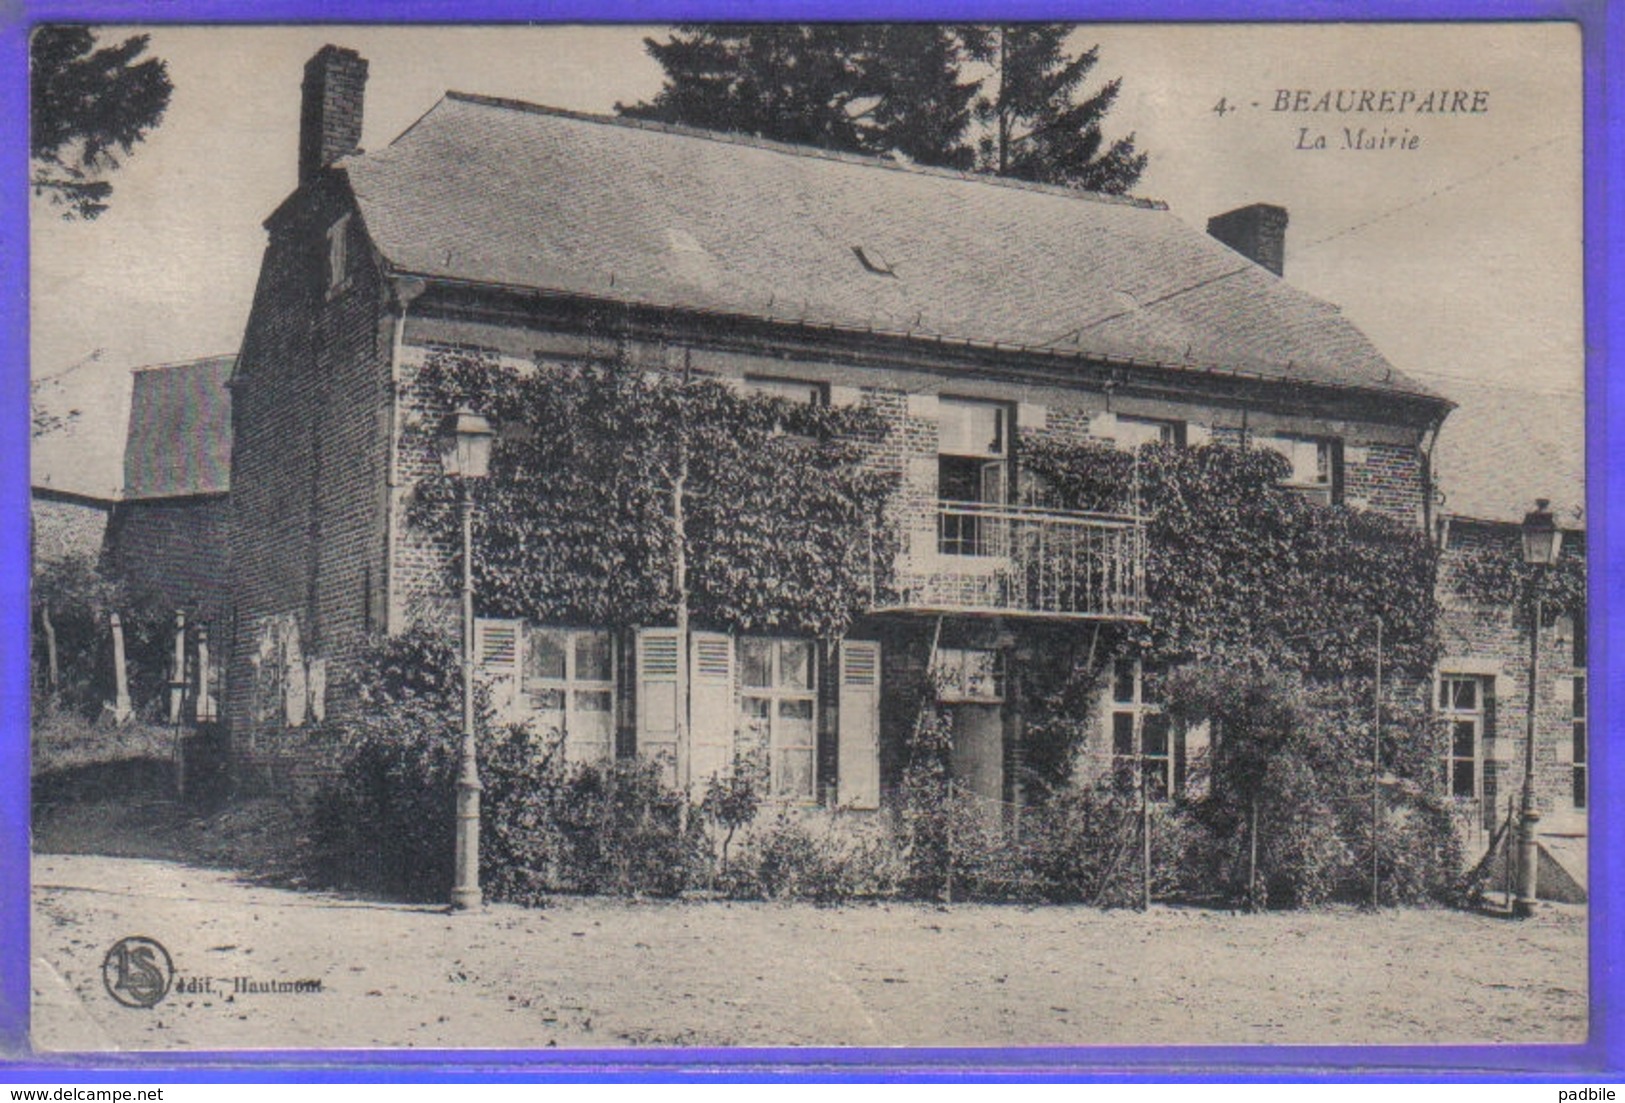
(568, 686)
(858, 742)
(778, 710)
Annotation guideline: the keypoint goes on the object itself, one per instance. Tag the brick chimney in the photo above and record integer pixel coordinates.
(330, 112)
(1257, 232)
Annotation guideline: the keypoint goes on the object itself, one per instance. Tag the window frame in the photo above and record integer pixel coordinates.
(775, 696)
(993, 471)
(781, 386)
(338, 255)
(1170, 430)
(1327, 489)
(570, 687)
(1138, 710)
(951, 669)
(1580, 733)
(1478, 716)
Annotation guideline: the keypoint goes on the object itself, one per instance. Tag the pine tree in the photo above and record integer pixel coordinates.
(87, 107)
(1038, 127)
(909, 90)
(862, 88)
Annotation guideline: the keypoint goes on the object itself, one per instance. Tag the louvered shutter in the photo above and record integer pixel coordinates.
(858, 747)
(496, 651)
(657, 698)
(712, 712)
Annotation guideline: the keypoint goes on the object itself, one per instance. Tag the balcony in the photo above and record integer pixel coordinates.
(1021, 561)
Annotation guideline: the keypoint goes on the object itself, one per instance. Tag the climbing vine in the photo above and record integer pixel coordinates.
(619, 496)
(1242, 571)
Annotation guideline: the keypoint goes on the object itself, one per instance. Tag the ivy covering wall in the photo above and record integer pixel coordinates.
(619, 496)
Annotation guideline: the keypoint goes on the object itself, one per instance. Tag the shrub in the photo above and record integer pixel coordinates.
(78, 596)
(623, 830)
(827, 860)
(383, 819)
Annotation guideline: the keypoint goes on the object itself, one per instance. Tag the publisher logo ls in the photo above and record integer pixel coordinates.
(137, 971)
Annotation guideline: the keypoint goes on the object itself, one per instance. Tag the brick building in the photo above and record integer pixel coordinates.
(140, 487)
(1497, 455)
(971, 313)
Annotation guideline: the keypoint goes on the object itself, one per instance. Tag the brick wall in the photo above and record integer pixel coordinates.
(1492, 642)
(179, 549)
(310, 409)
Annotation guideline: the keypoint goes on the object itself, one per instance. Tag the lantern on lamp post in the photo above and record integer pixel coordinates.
(465, 454)
(1542, 540)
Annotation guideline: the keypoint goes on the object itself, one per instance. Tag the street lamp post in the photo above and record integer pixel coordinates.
(1541, 542)
(465, 454)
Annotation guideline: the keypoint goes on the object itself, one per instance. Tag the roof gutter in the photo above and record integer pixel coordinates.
(1442, 405)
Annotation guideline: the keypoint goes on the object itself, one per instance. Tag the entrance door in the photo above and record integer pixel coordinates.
(978, 753)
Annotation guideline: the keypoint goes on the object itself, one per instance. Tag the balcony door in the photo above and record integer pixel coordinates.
(973, 473)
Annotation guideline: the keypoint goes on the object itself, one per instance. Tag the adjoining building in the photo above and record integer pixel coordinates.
(1499, 453)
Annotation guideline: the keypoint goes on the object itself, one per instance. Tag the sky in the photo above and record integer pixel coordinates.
(1460, 258)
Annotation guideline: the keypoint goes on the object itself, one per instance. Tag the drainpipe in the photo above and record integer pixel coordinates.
(406, 290)
(1430, 438)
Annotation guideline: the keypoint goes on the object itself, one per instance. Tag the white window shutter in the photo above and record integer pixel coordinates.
(712, 711)
(657, 702)
(497, 655)
(858, 744)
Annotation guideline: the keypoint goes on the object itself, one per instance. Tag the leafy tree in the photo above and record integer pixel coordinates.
(89, 106)
(1039, 127)
(911, 90)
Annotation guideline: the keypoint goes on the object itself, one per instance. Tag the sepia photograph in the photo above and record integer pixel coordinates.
(723, 536)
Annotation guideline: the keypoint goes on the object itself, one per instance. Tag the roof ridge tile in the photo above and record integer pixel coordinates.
(774, 146)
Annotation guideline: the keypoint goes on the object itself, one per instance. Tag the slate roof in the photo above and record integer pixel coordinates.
(1504, 447)
(179, 441)
(502, 193)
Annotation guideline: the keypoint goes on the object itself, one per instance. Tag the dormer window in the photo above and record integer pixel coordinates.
(1314, 461)
(338, 256)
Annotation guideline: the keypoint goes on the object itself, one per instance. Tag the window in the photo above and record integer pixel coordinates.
(799, 391)
(1132, 432)
(568, 686)
(778, 705)
(1579, 736)
(1314, 463)
(969, 674)
(1462, 704)
(338, 256)
(1141, 736)
(973, 470)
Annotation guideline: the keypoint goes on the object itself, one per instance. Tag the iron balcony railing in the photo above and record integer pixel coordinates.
(1019, 560)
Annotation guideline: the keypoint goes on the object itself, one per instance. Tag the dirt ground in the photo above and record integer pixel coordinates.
(597, 972)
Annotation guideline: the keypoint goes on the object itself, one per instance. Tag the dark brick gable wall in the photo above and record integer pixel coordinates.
(311, 399)
(179, 549)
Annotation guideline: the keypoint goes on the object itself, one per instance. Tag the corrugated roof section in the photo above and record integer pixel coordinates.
(509, 194)
(179, 441)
